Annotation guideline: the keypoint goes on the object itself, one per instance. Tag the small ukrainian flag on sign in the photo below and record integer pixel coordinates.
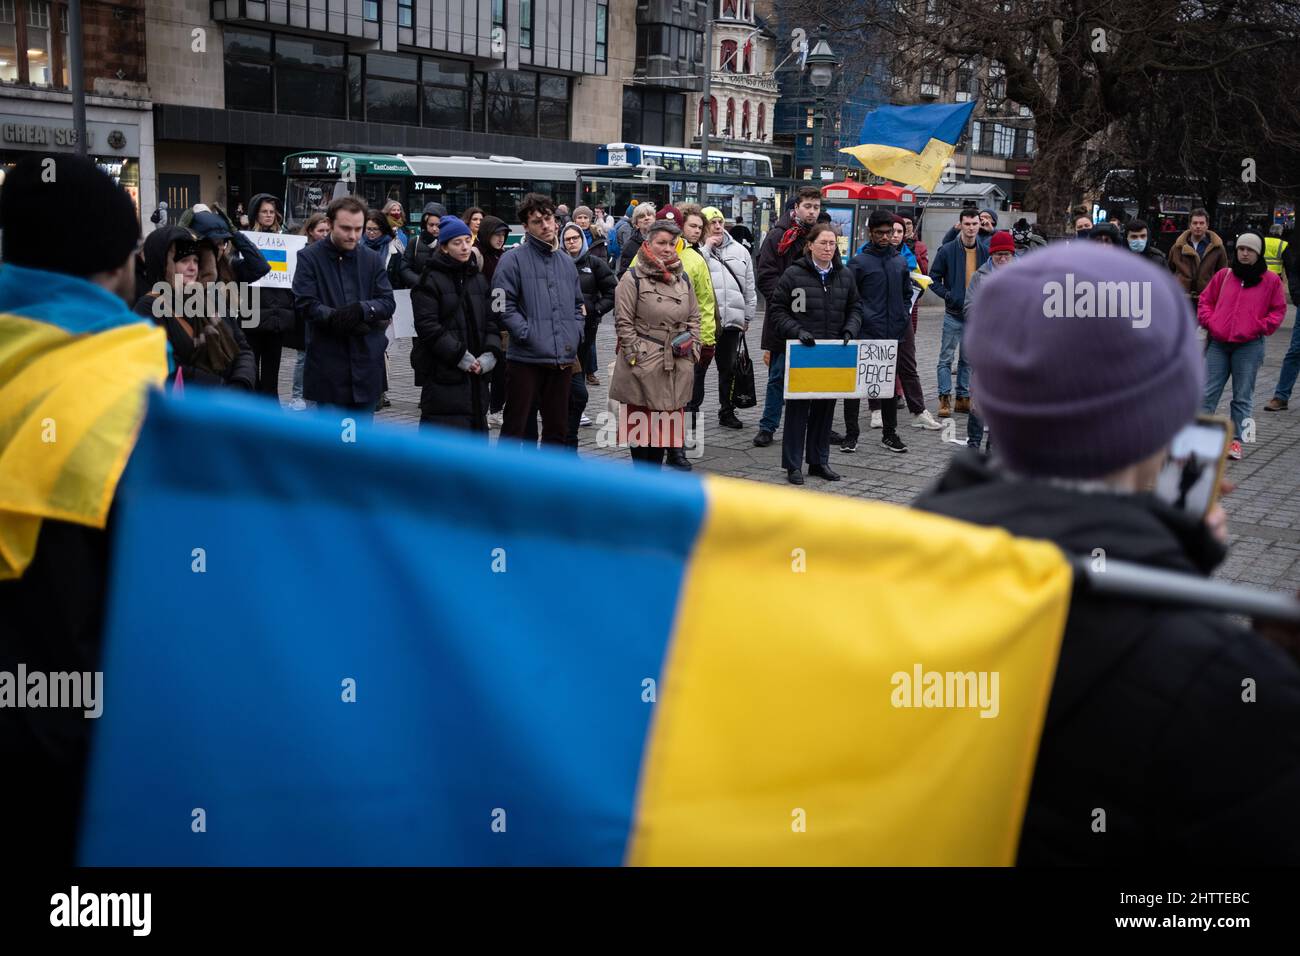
(278, 259)
(820, 369)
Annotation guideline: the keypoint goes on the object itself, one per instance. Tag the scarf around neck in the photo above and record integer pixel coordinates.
(791, 236)
(665, 266)
(1249, 275)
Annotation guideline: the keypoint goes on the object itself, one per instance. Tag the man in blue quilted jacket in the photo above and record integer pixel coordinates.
(536, 292)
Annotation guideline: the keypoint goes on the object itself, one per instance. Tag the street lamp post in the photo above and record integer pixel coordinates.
(821, 66)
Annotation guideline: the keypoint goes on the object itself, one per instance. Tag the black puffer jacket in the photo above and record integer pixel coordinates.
(1146, 718)
(772, 265)
(598, 284)
(420, 250)
(452, 317)
(628, 252)
(829, 309)
(242, 372)
(886, 291)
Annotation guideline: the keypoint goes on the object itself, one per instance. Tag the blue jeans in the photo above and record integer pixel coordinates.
(951, 345)
(771, 419)
(298, 367)
(1290, 365)
(1241, 361)
(974, 430)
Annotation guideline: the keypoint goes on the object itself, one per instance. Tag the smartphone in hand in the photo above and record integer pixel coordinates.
(1190, 477)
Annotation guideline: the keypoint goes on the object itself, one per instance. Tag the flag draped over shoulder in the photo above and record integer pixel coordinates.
(911, 144)
(368, 653)
(74, 367)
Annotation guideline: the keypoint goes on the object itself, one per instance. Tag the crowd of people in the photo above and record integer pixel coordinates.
(1145, 717)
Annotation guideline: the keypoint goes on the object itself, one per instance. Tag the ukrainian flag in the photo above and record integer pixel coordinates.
(74, 367)
(277, 258)
(417, 649)
(911, 144)
(826, 367)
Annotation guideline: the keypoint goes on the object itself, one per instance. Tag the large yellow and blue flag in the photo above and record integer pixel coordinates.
(911, 144)
(383, 647)
(74, 367)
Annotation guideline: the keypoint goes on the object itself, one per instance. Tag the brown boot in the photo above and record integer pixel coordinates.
(963, 404)
(945, 406)
(1275, 405)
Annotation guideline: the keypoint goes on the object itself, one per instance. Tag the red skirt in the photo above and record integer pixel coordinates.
(641, 427)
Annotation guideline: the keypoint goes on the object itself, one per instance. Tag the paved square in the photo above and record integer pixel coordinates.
(1264, 511)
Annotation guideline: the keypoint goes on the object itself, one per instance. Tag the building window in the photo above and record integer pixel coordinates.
(498, 13)
(39, 71)
(248, 71)
(391, 89)
(552, 107)
(602, 28)
(526, 24)
(654, 117)
(730, 9)
(699, 121)
(370, 10)
(8, 42)
(744, 121)
(727, 60)
(729, 130)
(405, 13)
(310, 77)
(762, 122)
(445, 85)
(749, 56)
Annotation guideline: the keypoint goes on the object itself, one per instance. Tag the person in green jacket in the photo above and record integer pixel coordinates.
(691, 221)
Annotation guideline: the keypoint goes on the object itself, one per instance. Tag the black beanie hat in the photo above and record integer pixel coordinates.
(43, 197)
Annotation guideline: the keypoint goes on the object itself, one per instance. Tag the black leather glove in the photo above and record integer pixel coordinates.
(348, 320)
(848, 337)
(806, 338)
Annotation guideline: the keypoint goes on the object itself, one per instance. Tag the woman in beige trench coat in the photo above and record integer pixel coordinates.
(657, 321)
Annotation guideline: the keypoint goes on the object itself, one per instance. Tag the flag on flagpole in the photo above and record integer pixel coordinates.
(397, 676)
(911, 144)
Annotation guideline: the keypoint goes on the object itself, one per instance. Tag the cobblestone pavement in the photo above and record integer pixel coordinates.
(1264, 510)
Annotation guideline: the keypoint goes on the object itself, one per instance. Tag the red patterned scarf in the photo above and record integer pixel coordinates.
(665, 266)
(791, 236)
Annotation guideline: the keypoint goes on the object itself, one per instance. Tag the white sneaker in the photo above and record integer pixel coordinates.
(877, 420)
(298, 405)
(584, 420)
(926, 420)
(494, 420)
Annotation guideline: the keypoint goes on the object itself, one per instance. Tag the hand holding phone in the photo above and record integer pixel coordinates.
(1191, 475)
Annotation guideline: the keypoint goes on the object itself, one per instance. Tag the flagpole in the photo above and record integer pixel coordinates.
(1114, 578)
(707, 97)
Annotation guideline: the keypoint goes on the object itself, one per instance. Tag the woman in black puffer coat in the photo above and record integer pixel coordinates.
(458, 335)
(816, 298)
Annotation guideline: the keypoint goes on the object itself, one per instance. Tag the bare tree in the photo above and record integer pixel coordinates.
(1080, 66)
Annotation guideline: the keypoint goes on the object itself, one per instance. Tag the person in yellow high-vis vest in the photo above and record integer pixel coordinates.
(1274, 248)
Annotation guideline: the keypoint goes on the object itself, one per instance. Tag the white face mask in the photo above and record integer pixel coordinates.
(1137, 245)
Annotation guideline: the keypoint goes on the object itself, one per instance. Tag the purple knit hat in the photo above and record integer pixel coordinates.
(1084, 360)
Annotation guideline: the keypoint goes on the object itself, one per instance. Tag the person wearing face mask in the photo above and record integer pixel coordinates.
(1137, 236)
(459, 335)
(885, 289)
(419, 249)
(206, 349)
(1082, 226)
(1240, 307)
(829, 307)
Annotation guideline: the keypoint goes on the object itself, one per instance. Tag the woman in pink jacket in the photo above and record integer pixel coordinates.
(1241, 305)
